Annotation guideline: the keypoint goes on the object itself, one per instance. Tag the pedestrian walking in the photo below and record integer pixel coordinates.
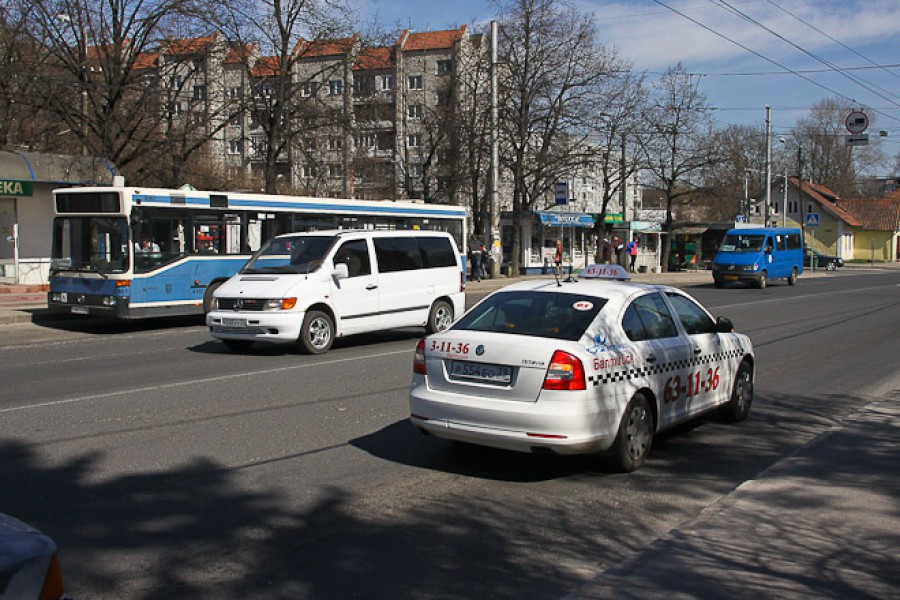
(559, 257)
(632, 249)
(475, 250)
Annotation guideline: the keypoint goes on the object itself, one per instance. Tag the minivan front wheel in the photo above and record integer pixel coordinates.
(761, 282)
(440, 318)
(317, 333)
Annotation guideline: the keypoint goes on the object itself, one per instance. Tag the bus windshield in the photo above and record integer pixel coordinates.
(299, 254)
(90, 244)
(742, 242)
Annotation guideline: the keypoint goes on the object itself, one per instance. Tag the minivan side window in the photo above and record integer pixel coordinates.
(793, 241)
(354, 254)
(436, 252)
(397, 254)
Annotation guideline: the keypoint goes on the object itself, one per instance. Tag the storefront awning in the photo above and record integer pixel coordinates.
(557, 219)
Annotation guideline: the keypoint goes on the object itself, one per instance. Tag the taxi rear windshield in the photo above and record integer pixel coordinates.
(561, 316)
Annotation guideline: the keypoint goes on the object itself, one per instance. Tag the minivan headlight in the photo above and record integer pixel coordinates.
(280, 304)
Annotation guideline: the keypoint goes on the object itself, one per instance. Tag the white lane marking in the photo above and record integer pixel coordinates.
(803, 297)
(205, 380)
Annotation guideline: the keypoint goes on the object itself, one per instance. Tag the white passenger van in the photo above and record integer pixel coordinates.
(310, 288)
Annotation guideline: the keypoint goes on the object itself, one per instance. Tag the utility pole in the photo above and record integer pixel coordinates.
(494, 220)
(768, 163)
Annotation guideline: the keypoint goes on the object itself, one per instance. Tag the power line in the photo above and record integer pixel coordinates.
(836, 41)
(766, 58)
(857, 80)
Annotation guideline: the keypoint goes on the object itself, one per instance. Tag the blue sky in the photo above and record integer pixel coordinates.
(860, 37)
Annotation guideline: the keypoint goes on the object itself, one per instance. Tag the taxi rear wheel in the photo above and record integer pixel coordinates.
(635, 436)
(317, 333)
(738, 407)
(440, 318)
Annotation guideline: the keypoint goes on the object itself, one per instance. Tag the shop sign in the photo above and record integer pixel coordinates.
(15, 188)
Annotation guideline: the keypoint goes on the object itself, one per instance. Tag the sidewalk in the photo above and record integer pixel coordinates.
(821, 523)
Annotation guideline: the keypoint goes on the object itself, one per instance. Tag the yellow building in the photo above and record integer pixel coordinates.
(877, 238)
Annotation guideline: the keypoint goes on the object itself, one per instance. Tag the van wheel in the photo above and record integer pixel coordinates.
(719, 284)
(635, 436)
(738, 406)
(208, 296)
(317, 333)
(761, 282)
(792, 280)
(440, 318)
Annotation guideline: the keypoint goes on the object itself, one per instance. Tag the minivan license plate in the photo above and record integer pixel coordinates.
(482, 372)
(234, 322)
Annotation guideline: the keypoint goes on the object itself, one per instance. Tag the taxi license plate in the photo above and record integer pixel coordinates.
(234, 322)
(79, 310)
(482, 372)
(731, 278)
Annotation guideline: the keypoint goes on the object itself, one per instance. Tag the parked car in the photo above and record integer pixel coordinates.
(589, 366)
(823, 261)
(29, 566)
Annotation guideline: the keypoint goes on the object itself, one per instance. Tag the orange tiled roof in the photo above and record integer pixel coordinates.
(430, 40)
(322, 48)
(827, 200)
(882, 214)
(375, 58)
(239, 53)
(190, 45)
(266, 66)
(146, 60)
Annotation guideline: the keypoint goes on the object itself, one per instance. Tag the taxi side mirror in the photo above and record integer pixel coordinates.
(724, 325)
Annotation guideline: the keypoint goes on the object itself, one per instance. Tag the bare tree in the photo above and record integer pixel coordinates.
(285, 101)
(743, 160)
(621, 99)
(677, 148)
(548, 92)
(109, 50)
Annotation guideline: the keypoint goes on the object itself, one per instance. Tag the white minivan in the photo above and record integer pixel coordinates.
(310, 288)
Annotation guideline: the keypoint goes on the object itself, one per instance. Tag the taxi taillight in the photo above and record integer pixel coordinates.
(53, 585)
(566, 372)
(419, 359)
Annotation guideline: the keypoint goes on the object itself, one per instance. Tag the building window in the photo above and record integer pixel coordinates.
(415, 82)
(793, 207)
(307, 172)
(334, 170)
(199, 92)
(335, 143)
(234, 93)
(414, 140)
(309, 89)
(385, 83)
(415, 171)
(175, 109)
(335, 87)
(234, 146)
(176, 82)
(444, 67)
(414, 111)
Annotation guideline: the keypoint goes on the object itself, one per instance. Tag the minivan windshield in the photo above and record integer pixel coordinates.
(296, 254)
(742, 242)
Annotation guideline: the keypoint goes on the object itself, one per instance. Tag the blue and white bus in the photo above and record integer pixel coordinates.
(132, 252)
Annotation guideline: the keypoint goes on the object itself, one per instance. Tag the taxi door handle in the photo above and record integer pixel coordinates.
(697, 350)
(371, 286)
(651, 358)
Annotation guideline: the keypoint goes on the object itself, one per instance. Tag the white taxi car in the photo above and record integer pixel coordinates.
(598, 364)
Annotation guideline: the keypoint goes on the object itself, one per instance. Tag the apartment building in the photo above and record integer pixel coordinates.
(364, 122)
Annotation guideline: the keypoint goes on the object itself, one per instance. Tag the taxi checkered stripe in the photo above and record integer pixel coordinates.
(627, 374)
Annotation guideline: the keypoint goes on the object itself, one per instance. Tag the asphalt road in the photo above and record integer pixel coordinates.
(166, 467)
